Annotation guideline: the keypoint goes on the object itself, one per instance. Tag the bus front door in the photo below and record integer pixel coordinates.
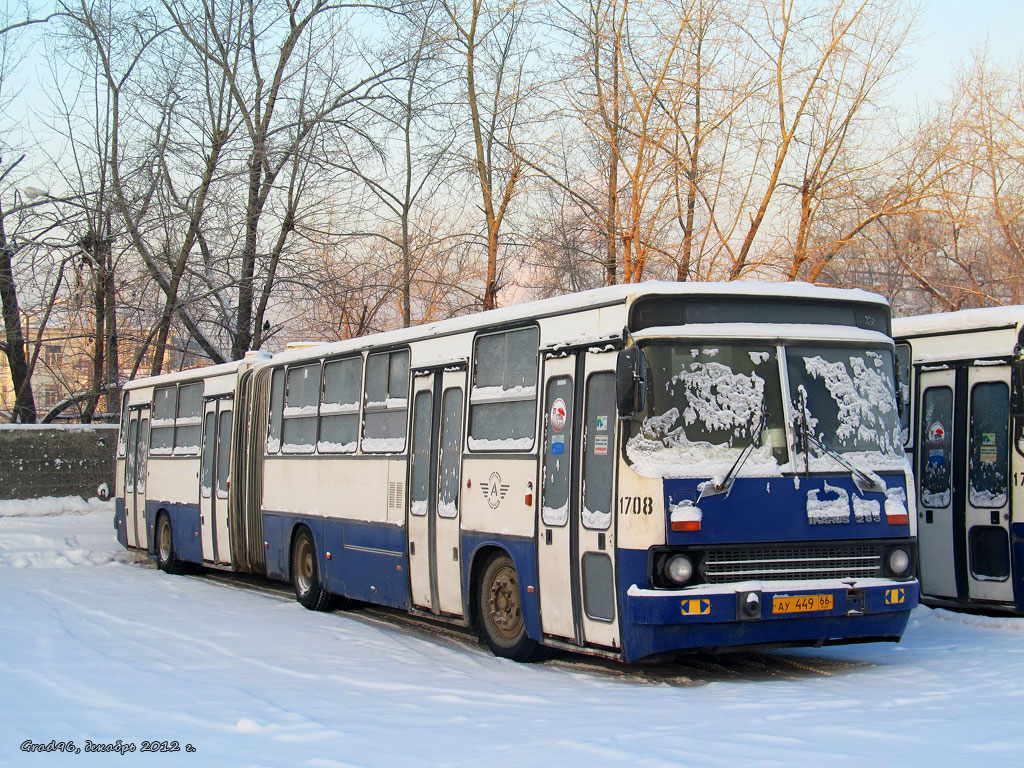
(214, 509)
(576, 548)
(137, 454)
(433, 518)
(963, 473)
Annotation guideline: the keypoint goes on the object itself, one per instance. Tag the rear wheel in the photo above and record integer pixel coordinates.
(309, 589)
(166, 559)
(501, 611)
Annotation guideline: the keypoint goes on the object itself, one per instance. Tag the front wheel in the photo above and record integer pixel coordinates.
(501, 611)
(166, 559)
(309, 589)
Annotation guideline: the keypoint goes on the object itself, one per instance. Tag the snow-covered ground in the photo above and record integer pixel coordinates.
(97, 645)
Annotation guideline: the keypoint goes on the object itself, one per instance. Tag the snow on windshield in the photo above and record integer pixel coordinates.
(704, 405)
(850, 400)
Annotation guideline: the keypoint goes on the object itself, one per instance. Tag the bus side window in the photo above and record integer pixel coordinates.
(301, 399)
(165, 405)
(988, 456)
(387, 405)
(503, 400)
(276, 408)
(189, 424)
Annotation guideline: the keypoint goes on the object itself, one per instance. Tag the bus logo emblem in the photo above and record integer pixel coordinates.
(494, 490)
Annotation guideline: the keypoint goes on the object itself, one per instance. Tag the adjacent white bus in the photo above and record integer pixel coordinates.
(964, 426)
(628, 471)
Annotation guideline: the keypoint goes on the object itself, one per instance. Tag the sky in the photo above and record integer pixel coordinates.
(948, 32)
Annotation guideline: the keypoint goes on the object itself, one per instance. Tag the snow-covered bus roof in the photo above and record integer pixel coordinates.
(191, 374)
(582, 301)
(988, 318)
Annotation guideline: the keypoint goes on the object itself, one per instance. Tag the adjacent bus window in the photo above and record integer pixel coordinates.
(598, 451)
(903, 397)
(223, 454)
(387, 386)
(302, 395)
(339, 407)
(129, 468)
(503, 401)
(209, 446)
(140, 463)
(187, 429)
(276, 408)
(990, 552)
(448, 462)
(990, 420)
(164, 409)
(122, 436)
(936, 447)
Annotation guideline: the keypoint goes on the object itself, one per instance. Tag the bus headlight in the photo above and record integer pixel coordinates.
(678, 569)
(898, 561)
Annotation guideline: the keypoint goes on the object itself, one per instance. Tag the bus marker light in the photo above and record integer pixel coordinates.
(903, 519)
(328, 555)
(686, 525)
(531, 590)
(698, 607)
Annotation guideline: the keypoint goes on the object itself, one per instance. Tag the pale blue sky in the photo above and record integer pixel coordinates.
(949, 30)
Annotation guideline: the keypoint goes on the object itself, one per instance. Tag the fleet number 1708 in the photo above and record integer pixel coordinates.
(636, 505)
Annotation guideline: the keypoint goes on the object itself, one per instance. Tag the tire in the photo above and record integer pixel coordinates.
(500, 611)
(166, 558)
(309, 590)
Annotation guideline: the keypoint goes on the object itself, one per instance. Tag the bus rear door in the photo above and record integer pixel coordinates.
(433, 517)
(136, 467)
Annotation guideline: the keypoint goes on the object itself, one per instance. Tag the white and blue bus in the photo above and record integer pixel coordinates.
(628, 472)
(964, 426)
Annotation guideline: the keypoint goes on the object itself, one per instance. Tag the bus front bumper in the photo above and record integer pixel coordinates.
(766, 613)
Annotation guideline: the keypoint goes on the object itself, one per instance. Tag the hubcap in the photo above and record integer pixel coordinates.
(304, 566)
(165, 540)
(503, 603)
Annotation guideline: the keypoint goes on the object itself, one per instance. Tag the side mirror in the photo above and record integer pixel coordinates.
(1017, 388)
(630, 382)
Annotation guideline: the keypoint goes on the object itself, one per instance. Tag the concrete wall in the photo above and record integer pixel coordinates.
(65, 460)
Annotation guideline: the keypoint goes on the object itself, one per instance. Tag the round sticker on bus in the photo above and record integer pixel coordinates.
(558, 415)
(936, 432)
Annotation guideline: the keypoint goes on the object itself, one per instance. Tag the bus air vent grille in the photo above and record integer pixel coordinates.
(788, 562)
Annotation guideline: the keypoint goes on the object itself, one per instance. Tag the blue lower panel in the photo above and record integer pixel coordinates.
(1017, 563)
(367, 560)
(119, 522)
(185, 529)
(524, 556)
(686, 620)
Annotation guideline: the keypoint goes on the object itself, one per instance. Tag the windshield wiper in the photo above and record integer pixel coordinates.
(711, 488)
(866, 481)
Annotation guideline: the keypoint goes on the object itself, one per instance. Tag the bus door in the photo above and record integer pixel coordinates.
(215, 475)
(963, 456)
(136, 457)
(575, 526)
(433, 517)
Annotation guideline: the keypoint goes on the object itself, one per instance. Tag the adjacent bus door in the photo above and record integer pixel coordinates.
(214, 511)
(576, 552)
(136, 458)
(432, 522)
(963, 473)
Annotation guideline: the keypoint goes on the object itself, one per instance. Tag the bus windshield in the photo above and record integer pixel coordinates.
(706, 402)
(850, 402)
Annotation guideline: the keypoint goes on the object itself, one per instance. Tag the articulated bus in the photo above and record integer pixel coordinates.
(629, 472)
(963, 375)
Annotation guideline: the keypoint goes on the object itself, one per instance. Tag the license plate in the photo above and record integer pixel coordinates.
(801, 603)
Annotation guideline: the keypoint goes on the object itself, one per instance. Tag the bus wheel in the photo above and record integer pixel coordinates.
(166, 560)
(309, 590)
(501, 612)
